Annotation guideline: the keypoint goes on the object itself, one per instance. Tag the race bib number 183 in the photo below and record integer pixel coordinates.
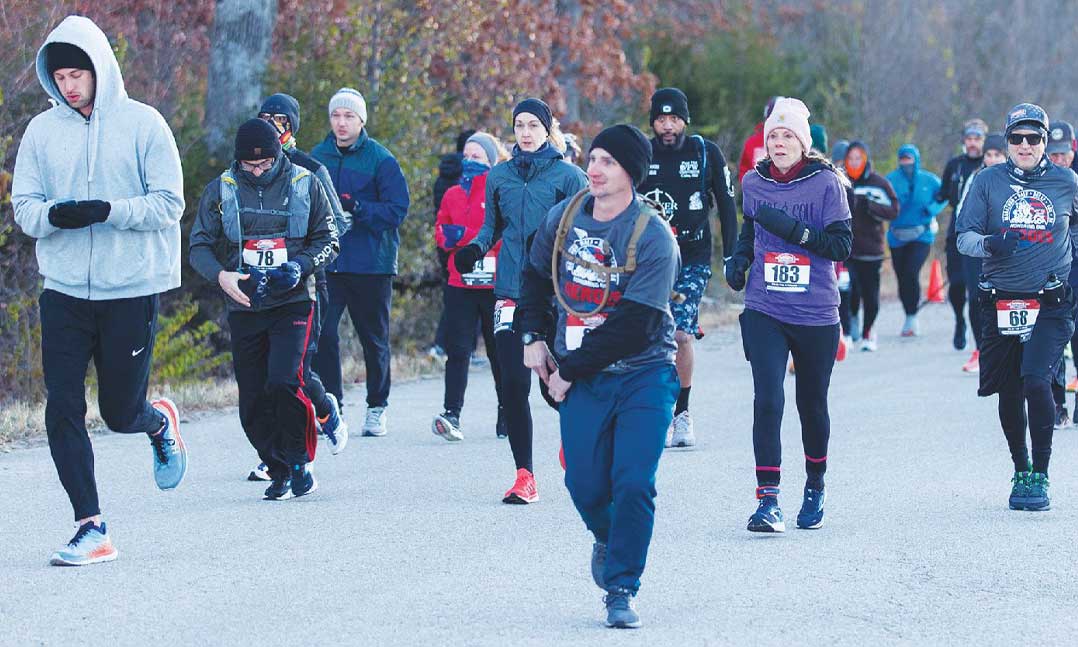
(786, 272)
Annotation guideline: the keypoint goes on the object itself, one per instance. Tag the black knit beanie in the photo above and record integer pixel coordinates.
(283, 104)
(669, 101)
(256, 140)
(629, 147)
(537, 108)
(59, 56)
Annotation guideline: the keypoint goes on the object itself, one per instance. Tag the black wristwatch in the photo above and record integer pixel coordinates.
(531, 337)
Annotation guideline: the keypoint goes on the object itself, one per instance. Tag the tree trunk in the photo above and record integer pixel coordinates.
(569, 12)
(239, 52)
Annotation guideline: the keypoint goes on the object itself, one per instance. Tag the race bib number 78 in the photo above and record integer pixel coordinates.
(265, 252)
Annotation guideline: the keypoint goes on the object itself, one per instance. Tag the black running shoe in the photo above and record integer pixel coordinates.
(1063, 418)
(303, 480)
(960, 335)
(279, 490)
(598, 564)
(1019, 491)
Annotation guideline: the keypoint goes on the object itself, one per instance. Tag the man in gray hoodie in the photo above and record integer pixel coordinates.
(98, 183)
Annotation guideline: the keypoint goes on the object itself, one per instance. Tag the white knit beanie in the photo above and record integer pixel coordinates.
(791, 114)
(350, 99)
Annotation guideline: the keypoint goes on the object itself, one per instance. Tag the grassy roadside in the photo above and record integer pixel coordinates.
(22, 424)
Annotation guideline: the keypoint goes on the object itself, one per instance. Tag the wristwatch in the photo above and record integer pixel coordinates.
(804, 236)
(531, 337)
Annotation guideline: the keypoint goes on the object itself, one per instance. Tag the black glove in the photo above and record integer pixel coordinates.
(348, 203)
(283, 278)
(777, 222)
(94, 210)
(736, 268)
(255, 286)
(466, 258)
(66, 215)
(1003, 244)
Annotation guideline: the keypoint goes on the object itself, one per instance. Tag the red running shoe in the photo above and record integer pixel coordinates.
(523, 490)
(840, 354)
(561, 456)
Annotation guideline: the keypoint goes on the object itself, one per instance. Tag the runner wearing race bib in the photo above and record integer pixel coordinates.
(797, 225)
(469, 297)
(264, 227)
(610, 262)
(1019, 217)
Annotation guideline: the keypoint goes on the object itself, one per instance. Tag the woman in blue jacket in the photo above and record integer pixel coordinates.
(912, 232)
(519, 193)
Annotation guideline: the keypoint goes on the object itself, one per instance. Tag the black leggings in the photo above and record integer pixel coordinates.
(956, 283)
(516, 385)
(1012, 417)
(908, 261)
(768, 344)
(844, 310)
(972, 267)
(465, 309)
(865, 286)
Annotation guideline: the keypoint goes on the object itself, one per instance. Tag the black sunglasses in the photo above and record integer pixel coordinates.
(1033, 139)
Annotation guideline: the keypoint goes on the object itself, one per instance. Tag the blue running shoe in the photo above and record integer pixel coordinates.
(90, 545)
(169, 450)
(620, 613)
(811, 515)
(768, 516)
(1019, 491)
(260, 473)
(598, 564)
(334, 426)
(303, 480)
(1038, 493)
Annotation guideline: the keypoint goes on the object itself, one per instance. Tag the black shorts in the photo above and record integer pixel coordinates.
(1005, 359)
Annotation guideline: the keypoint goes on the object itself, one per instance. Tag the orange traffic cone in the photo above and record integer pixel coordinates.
(935, 283)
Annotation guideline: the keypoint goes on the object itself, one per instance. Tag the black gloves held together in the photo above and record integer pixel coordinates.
(777, 222)
(76, 215)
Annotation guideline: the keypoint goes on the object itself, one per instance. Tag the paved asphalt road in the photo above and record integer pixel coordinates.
(407, 543)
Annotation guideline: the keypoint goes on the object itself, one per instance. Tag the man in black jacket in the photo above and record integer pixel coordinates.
(613, 364)
(955, 174)
(688, 176)
(263, 229)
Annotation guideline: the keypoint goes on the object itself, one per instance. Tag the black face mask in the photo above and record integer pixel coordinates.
(266, 178)
(1023, 175)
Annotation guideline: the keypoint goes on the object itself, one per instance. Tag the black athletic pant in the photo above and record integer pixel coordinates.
(768, 345)
(118, 334)
(312, 384)
(865, 286)
(465, 309)
(908, 261)
(844, 310)
(956, 282)
(972, 267)
(1022, 373)
(367, 298)
(268, 357)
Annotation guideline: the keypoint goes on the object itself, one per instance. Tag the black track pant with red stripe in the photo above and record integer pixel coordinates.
(269, 358)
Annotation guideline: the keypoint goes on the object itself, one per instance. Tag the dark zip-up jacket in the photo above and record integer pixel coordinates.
(368, 173)
(520, 192)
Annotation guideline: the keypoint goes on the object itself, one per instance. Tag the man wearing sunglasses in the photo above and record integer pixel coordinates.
(1020, 218)
(263, 229)
(282, 112)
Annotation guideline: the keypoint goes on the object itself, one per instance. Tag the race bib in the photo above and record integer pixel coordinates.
(482, 274)
(843, 276)
(503, 314)
(265, 252)
(576, 328)
(786, 272)
(1017, 316)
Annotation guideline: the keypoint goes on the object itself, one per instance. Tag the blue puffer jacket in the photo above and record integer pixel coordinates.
(916, 221)
(368, 173)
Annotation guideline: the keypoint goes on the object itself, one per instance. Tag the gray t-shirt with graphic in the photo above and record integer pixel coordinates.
(658, 262)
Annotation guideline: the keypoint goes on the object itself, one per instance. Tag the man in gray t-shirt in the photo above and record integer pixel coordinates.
(1020, 217)
(613, 364)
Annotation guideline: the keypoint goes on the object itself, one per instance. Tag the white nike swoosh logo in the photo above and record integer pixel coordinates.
(135, 353)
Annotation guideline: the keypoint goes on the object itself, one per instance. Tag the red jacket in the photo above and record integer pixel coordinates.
(468, 211)
(753, 151)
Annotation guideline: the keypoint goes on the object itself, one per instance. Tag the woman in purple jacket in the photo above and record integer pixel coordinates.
(797, 225)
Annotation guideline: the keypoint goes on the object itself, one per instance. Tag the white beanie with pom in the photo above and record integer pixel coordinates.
(791, 114)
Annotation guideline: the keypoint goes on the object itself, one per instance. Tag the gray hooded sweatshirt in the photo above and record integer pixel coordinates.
(124, 154)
